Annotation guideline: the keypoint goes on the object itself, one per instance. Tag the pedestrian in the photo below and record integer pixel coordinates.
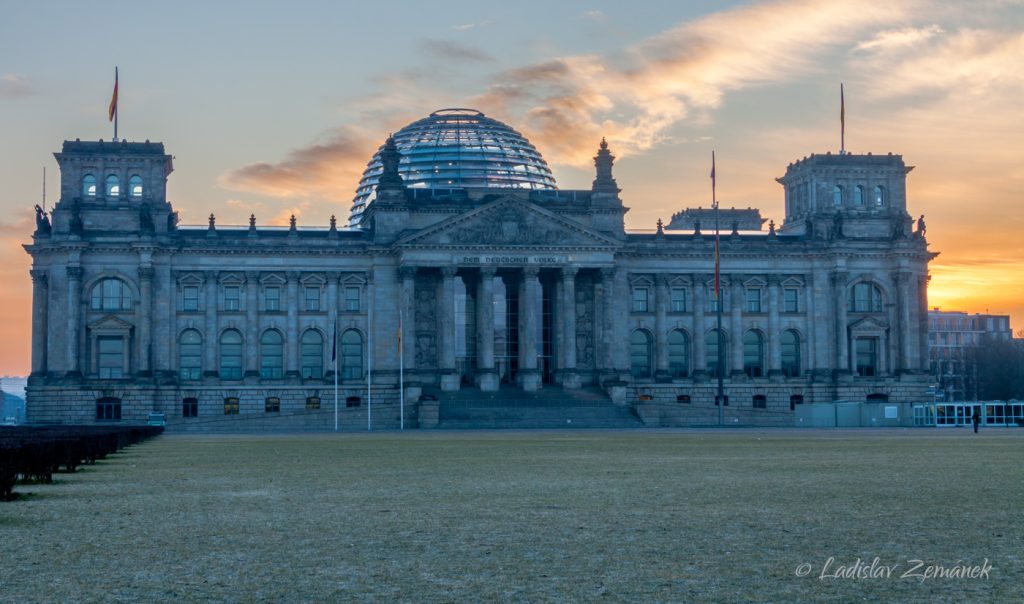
(976, 419)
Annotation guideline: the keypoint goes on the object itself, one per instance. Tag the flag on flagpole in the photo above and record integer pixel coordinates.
(112, 110)
(713, 202)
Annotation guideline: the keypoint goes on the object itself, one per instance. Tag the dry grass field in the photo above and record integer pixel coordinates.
(666, 516)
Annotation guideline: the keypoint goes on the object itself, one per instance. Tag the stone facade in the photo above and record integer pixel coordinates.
(489, 288)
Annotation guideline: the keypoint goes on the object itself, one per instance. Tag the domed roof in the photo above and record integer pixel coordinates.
(458, 148)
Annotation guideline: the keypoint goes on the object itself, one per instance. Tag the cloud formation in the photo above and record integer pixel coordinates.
(13, 86)
(446, 50)
(903, 37)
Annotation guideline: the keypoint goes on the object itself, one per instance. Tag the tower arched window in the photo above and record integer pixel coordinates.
(190, 355)
(640, 354)
(312, 354)
(89, 185)
(113, 188)
(790, 344)
(135, 186)
(879, 196)
(231, 355)
(272, 355)
(111, 294)
(837, 196)
(865, 297)
(351, 355)
(714, 341)
(678, 353)
(753, 354)
(858, 196)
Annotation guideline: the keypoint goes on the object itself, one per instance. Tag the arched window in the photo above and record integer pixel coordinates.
(89, 185)
(190, 355)
(712, 344)
(113, 186)
(272, 355)
(678, 353)
(135, 186)
(111, 294)
(837, 196)
(753, 354)
(865, 297)
(312, 354)
(879, 196)
(640, 354)
(790, 342)
(231, 355)
(858, 196)
(351, 355)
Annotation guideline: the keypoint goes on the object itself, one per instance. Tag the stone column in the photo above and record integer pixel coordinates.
(486, 374)
(74, 318)
(774, 329)
(291, 336)
(212, 338)
(700, 308)
(570, 377)
(904, 283)
(605, 316)
(40, 311)
(528, 375)
(145, 319)
(407, 308)
(822, 320)
(839, 280)
(252, 323)
(167, 333)
(921, 312)
(446, 329)
(738, 301)
(661, 301)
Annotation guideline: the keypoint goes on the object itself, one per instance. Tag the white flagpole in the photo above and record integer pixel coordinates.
(369, 363)
(334, 354)
(401, 372)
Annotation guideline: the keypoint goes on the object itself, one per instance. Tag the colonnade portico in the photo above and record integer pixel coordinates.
(532, 352)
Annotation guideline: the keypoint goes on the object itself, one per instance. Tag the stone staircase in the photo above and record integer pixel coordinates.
(512, 408)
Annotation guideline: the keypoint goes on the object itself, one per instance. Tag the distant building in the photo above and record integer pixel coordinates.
(952, 338)
(729, 219)
(459, 240)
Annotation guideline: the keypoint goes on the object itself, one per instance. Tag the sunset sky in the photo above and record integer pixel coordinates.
(275, 108)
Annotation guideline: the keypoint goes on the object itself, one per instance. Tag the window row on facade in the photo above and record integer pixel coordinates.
(863, 297)
(111, 186)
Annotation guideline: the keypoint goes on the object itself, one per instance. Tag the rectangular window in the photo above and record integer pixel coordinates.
(678, 299)
(108, 409)
(110, 357)
(190, 298)
(313, 298)
(867, 356)
(713, 301)
(231, 297)
(352, 299)
(312, 402)
(231, 406)
(272, 404)
(754, 299)
(190, 407)
(272, 298)
(790, 300)
(760, 401)
(639, 299)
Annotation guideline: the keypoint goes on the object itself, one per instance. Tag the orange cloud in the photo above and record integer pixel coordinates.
(16, 300)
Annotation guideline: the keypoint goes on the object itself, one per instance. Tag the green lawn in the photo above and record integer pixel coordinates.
(673, 516)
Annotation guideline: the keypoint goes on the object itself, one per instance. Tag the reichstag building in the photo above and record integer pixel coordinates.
(461, 252)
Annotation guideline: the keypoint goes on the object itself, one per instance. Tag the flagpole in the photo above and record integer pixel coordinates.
(842, 121)
(401, 372)
(720, 369)
(115, 103)
(334, 355)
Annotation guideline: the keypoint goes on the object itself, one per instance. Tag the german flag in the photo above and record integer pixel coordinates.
(112, 110)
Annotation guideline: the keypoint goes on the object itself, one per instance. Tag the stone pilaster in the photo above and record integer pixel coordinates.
(252, 326)
(212, 338)
(661, 302)
(74, 319)
(839, 281)
(738, 302)
(700, 329)
(605, 317)
(529, 375)
(569, 376)
(40, 312)
(144, 319)
(446, 330)
(332, 321)
(774, 328)
(291, 337)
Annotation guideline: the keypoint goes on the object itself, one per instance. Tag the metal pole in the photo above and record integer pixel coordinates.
(334, 353)
(369, 359)
(720, 370)
(401, 370)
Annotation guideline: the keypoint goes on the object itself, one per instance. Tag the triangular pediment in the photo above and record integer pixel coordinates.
(869, 324)
(509, 222)
(110, 323)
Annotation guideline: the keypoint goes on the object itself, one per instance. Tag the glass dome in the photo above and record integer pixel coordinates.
(458, 148)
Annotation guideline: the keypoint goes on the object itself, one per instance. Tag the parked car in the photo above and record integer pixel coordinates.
(156, 419)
